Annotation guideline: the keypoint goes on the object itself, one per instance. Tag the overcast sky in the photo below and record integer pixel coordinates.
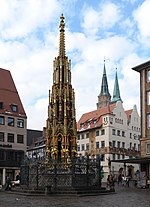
(117, 31)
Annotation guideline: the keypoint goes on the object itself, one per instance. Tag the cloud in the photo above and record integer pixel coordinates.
(104, 17)
(130, 81)
(142, 16)
(38, 114)
(19, 18)
(29, 38)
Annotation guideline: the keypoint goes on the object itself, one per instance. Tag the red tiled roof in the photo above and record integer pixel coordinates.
(128, 113)
(9, 94)
(94, 118)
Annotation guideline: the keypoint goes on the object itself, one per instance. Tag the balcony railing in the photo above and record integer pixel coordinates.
(121, 151)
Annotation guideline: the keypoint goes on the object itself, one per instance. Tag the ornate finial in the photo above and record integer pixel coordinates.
(62, 23)
(62, 37)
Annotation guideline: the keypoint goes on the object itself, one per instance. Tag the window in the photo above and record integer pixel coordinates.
(82, 125)
(82, 135)
(118, 144)
(102, 144)
(10, 137)
(97, 144)
(134, 146)
(114, 157)
(103, 157)
(105, 119)
(114, 143)
(123, 133)
(138, 147)
(20, 123)
(20, 138)
(118, 132)
(148, 76)
(10, 121)
(10, 155)
(78, 136)
(148, 98)
(118, 156)
(78, 148)
(113, 132)
(14, 108)
(148, 148)
(148, 120)
(123, 157)
(130, 135)
(1, 136)
(1, 105)
(2, 120)
(123, 144)
(111, 120)
(130, 145)
(87, 135)
(87, 146)
(97, 133)
(1, 154)
(82, 147)
(103, 132)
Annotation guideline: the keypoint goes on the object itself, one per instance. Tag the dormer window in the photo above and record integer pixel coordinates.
(1, 105)
(14, 108)
(11, 121)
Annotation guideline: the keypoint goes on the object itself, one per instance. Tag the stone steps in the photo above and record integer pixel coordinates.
(63, 191)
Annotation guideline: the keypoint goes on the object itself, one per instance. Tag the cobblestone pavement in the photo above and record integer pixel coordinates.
(124, 197)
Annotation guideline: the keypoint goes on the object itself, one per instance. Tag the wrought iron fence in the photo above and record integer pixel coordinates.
(84, 172)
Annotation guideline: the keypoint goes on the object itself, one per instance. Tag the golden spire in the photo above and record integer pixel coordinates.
(62, 37)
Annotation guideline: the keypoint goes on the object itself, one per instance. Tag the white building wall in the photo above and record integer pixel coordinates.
(117, 121)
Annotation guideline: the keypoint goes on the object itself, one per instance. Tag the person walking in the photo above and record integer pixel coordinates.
(128, 181)
(8, 183)
(119, 178)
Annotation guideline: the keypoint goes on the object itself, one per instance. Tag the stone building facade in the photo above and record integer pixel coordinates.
(144, 70)
(13, 127)
(110, 132)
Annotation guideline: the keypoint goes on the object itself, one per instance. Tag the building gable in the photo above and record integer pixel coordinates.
(9, 97)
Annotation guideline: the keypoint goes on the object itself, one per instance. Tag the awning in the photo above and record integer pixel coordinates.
(140, 160)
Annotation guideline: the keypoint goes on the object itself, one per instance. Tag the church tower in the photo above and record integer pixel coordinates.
(116, 92)
(104, 97)
(61, 122)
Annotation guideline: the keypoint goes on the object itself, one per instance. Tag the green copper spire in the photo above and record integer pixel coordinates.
(116, 93)
(104, 86)
(104, 97)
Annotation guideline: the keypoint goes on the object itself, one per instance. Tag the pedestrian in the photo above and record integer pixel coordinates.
(110, 182)
(128, 181)
(119, 178)
(8, 183)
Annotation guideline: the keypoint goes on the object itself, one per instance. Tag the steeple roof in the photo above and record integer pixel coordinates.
(116, 92)
(104, 85)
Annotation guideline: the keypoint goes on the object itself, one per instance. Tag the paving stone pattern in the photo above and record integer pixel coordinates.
(124, 197)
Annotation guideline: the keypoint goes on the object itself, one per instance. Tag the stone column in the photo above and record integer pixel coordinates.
(4, 176)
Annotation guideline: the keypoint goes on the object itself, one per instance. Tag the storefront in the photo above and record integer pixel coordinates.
(144, 168)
